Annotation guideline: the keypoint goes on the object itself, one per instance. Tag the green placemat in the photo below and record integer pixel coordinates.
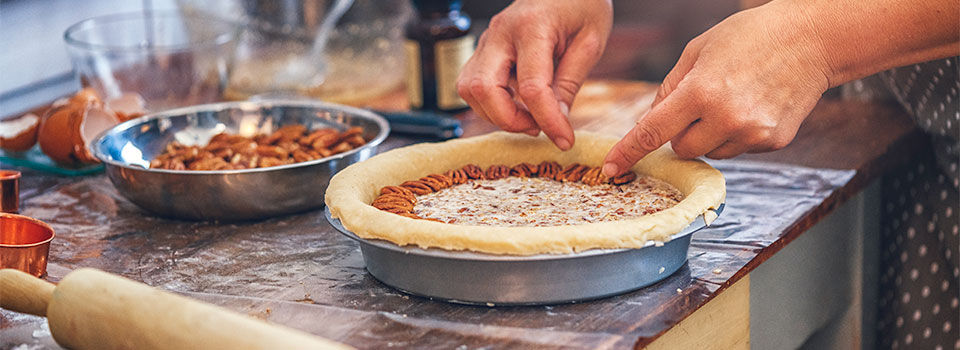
(36, 160)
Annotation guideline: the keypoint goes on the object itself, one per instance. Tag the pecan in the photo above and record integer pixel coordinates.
(594, 177)
(269, 161)
(308, 140)
(209, 164)
(624, 178)
(270, 139)
(325, 141)
(396, 189)
(289, 133)
(218, 146)
(549, 169)
(355, 141)
(498, 171)
(446, 180)
(409, 215)
(572, 172)
(434, 184)
(473, 172)
(220, 138)
(244, 147)
(272, 151)
(417, 187)
(341, 147)
(354, 131)
(524, 170)
(395, 210)
(314, 154)
(301, 156)
(392, 202)
(458, 176)
(394, 197)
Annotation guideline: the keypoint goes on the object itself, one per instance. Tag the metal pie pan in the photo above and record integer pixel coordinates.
(486, 279)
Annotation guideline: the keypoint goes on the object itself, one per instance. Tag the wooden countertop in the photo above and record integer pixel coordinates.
(296, 270)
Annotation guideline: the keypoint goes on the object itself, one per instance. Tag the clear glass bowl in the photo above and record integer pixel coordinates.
(364, 57)
(171, 59)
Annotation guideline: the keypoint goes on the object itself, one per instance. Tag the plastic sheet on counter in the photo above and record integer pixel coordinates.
(299, 271)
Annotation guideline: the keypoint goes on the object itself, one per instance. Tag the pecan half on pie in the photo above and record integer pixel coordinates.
(513, 194)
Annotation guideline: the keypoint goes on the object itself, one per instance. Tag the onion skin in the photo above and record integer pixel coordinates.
(23, 140)
(60, 135)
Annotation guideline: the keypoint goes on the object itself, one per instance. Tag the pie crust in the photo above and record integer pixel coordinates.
(353, 189)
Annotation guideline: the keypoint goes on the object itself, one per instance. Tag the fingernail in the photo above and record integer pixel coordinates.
(532, 132)
(611, 170)
(563, 143)
(565, 109)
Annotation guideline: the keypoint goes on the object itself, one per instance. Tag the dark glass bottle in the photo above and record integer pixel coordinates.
(438, 43)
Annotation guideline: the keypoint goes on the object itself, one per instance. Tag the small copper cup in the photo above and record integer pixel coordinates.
(24, 244)
(9, 191)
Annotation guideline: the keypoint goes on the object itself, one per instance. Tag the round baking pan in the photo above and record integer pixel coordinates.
(486, 279)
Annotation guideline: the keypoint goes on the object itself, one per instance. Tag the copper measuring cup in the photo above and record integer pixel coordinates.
(9, 191)
(24, 244)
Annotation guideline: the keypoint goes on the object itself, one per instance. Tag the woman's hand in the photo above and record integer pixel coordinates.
(745, 85)
(511, 79)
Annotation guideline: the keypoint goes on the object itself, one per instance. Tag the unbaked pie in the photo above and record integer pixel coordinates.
(510, 194)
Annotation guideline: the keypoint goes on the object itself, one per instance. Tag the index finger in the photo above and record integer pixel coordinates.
(654, 129)
(534, 85)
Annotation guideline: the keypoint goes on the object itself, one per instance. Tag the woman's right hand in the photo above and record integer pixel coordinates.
(511, 79)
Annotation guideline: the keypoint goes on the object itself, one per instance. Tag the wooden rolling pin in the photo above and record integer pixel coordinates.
(91, 309)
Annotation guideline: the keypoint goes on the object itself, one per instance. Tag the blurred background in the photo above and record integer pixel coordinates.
(364, 54)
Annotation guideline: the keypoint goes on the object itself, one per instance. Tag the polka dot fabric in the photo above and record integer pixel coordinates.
(920, 249)
(930, 92)
(919, 259)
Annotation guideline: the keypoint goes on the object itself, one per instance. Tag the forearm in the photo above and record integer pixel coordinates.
(858, 38)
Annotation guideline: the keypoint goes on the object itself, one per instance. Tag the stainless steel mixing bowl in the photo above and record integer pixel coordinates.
(229, 195)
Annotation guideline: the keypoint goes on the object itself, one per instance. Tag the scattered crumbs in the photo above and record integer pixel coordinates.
(717, 271)
(679, 290)
(267, 311)
(662, 269)
(490, 304)
(405, 297)
(306, 299)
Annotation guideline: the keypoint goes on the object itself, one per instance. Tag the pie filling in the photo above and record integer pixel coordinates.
(528, 195)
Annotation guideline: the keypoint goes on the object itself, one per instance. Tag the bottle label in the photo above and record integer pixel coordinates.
(414, 84)
(450, 56)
